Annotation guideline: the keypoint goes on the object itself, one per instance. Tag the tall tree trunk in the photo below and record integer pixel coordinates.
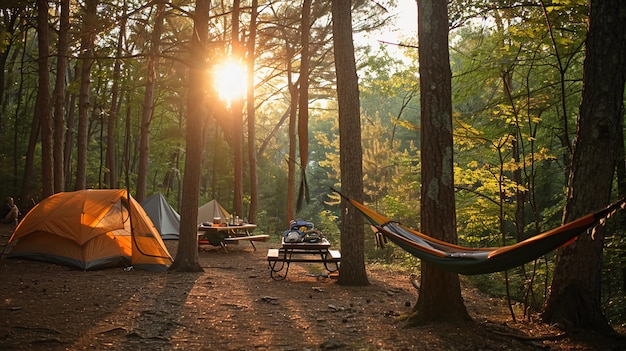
(237, 117)
(291, 159)
(25, 191)
(252, 155)
(440, 294)
(59, 97)
(111, 176)
(148, 102)
(27, 179)
(303, 101)
(42, 107)
(127, 139)
(352, 270)
(87, 38)
(574, 298)
(187, 254)
(70, 132)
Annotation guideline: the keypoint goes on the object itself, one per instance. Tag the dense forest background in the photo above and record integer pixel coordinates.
(102, 86)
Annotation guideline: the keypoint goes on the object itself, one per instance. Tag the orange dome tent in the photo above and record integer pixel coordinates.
(90, 229)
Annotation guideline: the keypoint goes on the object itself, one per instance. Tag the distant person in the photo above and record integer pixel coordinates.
(9, 212)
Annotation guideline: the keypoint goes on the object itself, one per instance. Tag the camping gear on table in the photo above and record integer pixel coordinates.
(90, 229)
(469, 261)
(165, 218)
(302, 231)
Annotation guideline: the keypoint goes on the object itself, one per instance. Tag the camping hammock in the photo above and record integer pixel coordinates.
(469, 261)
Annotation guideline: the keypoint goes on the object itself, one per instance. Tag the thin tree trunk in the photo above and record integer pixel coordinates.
(111, 176)
(87, 39)
(26, 190)
(272, 134)
(291, 159)
(564, 135)
(148, 102)
(70, 132)
(59, 97)
(30, 151)
(42, 107)
(252, 155)
(237, 118)
(125, 171)
(303, 100)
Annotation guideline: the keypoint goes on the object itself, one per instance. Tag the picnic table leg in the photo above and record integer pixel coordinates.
(252, 243)
(334, 268)
(247, 233)
(275, 272)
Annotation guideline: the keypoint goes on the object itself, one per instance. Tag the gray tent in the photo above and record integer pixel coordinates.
(165, 219)
(211, 209)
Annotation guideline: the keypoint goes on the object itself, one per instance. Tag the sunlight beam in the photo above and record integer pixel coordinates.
(230, 80)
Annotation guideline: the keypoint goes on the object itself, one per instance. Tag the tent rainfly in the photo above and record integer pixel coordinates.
(211, 209)
(165, 219)
(90, 229)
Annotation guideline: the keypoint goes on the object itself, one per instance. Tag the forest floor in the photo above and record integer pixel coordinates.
(235, 305)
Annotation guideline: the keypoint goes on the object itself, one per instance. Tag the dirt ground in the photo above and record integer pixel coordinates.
(234, 305)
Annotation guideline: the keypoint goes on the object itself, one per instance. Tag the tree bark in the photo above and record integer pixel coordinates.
(187, 254)
(87, 38)
(42, 107)
(574, 298)
(59, 97)
(237, 118)
(303, 101)
(352, 269)
(291, 159)
(27, 182)
(70, 132)
(148, 102)
(440, 295)
(111, 176)
(252, 153)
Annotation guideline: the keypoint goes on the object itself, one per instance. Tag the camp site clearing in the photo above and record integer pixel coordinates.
(235, 305)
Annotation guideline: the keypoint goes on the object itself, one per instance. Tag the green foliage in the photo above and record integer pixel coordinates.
(614, 272)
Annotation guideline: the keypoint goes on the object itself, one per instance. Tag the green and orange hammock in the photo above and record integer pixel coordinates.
(470, 261)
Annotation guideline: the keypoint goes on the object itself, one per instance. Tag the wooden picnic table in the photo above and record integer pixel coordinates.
(280, 259)
(220, 235)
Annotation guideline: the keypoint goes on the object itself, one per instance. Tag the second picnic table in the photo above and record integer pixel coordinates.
(220, 235)
(280, 259)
